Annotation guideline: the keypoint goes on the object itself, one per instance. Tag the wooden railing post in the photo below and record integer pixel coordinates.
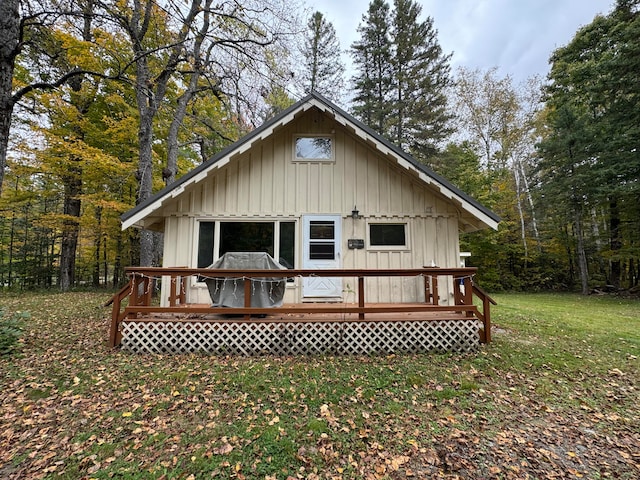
(427, 289)
(485, 334)
(457, 294)
(147, 294)
(183, 290)
(136, 284)
(361, 296)
(116, 316)
(434, 290)
(467, 297)
(173, 291)
(486, 311)
(247, 295)
(115, 324)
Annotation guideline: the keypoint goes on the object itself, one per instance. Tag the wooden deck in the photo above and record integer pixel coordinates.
(313, 312)
(360, 327)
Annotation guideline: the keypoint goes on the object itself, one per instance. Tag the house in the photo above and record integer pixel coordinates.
(316, 189)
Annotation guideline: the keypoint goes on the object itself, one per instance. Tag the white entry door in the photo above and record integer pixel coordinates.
(322, 240)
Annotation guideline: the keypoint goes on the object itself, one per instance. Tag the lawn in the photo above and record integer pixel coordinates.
(556, 395)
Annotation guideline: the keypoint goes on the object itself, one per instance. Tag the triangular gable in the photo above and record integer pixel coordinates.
(482, 215)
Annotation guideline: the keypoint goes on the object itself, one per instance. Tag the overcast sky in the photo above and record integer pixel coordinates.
(517, 36)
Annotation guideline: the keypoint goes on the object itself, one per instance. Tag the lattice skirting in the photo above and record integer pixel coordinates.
(309, 338)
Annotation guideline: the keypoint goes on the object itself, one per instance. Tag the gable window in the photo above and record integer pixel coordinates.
(388, 235)
(216, 238)
(313, 148)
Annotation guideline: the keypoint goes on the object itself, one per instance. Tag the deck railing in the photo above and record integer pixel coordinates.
(135, 298)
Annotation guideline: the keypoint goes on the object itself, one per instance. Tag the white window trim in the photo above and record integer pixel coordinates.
(389, 248)
(313, 160)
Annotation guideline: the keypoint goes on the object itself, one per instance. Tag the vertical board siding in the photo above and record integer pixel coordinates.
(265, 182)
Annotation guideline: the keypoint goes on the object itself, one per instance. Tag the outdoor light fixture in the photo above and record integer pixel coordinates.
(355, 214)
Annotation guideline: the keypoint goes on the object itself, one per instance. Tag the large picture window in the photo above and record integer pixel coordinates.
(388, 235)
(275, 238)
(313, 148)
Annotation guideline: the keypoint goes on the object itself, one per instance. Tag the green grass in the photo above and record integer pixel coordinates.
(555, 393)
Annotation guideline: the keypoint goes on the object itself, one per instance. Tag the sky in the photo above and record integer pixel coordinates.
(516, 36)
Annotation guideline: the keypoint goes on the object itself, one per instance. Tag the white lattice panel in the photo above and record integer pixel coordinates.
(241, 338)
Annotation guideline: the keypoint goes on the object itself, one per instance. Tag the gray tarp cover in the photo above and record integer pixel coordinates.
(265, 291)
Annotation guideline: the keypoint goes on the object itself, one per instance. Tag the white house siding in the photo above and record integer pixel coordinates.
(264, 182)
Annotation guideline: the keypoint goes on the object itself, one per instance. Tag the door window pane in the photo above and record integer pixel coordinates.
(319, 230)
(322, 251)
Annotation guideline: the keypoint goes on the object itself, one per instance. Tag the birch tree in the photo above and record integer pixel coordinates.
(498, 120)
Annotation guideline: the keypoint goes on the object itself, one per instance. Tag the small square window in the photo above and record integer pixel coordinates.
(388, 235)
(314, 148)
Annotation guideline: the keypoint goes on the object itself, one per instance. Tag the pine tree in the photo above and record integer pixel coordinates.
(421, 76)
(402, 75)
(595, 79)
(323, 68)
(372, 60)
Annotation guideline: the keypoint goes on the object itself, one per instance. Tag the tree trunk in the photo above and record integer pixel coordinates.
(145, 181)
(615, 241)
(582, 255)
(70, 229)
(169, 174)
(6, 110)
(534, 221)
(117, 263)
(97, 244)
(3, 225)
(9, 43)
(25, 242)
(73, 182)
(12, 236)
(523, 232)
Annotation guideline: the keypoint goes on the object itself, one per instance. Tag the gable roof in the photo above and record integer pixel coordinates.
(483, 216)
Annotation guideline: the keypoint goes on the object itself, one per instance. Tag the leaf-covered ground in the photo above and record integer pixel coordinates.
(554, 396)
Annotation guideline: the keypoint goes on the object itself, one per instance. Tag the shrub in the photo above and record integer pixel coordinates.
(11, 329)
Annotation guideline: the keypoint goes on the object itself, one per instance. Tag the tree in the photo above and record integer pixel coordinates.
(9, 48)
(594, 84)
(565, 171)
(419, 113)
(498, 120)
(21, 24)
(372, 61)
(323, 67)
(402, 77)
(206, 34)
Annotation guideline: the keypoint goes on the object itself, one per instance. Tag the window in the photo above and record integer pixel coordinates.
(322, 241)
(388, 235)
(318, 148)
(205, 244)
(246, 237)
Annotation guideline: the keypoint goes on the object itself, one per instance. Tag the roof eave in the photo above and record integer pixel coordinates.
(136, 217)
